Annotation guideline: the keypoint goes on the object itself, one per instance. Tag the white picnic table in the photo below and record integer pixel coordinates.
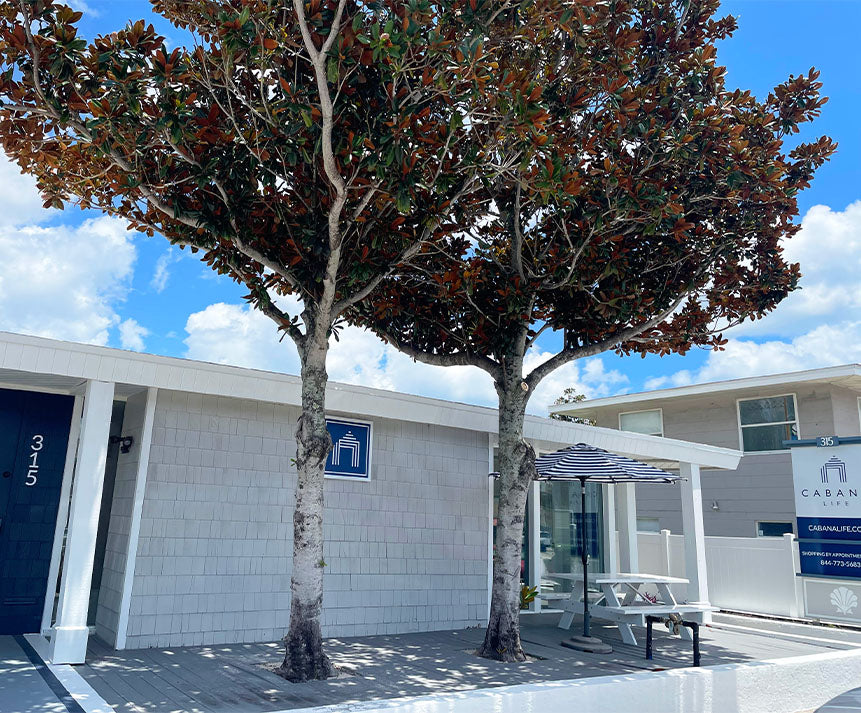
(623, 600)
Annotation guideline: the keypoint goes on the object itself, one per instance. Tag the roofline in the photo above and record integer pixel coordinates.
(824, 374)
(39, 355)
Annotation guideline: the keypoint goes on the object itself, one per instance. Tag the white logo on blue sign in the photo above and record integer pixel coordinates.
(351, 449)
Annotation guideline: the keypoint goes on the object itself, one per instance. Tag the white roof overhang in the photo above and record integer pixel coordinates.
(47, 364)
(848, 375)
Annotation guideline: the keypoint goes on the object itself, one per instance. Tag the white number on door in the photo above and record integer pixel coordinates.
(36, 445)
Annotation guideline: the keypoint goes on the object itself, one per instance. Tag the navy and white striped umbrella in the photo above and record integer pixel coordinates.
(585, 462)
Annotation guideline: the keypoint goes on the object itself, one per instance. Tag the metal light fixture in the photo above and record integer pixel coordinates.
(715, 505)
(126, 442)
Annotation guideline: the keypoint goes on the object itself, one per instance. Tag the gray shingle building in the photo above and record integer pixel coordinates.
(151, 499)
(754, 415)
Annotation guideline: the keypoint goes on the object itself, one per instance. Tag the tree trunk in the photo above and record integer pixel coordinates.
(516, 472)
(305, 659)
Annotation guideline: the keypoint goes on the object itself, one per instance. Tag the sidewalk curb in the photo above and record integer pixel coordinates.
(83, 696)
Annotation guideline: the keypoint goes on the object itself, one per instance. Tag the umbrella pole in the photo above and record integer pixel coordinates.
(584, 558)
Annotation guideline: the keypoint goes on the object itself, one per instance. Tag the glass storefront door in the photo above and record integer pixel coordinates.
(557, 532)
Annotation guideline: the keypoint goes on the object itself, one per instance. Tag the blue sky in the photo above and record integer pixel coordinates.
(89, 280)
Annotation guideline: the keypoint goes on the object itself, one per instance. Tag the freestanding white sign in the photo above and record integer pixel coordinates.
(827, 482)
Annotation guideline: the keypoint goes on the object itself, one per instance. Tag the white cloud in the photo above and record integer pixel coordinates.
(589, 377)
(63, 282)
(680, 378)
(20, 202)
(239, 335)
(132, 335)
(815, 326)
(828, 248)
(827, 345)
(162, 272)
(84, 7)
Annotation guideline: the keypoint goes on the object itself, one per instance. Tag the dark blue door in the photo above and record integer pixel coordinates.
(34, 435)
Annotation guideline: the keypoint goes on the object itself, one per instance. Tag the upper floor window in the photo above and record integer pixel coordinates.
(766, 423)
(648, 524)
(773, 529)
(649, 422)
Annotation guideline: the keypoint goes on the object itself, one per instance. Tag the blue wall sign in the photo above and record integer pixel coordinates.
(829, 528)
(350, 456)
(830, 559)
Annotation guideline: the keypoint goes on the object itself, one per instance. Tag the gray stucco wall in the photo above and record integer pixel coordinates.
(761, 488)
(405, 551)
(110, 594)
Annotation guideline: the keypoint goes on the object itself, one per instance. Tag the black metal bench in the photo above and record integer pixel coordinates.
(692, 625)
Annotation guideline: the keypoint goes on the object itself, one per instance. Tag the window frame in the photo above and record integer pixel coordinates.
(656, 520)
(660, 411)
(776, 522)
(859, 414)
(766, 423)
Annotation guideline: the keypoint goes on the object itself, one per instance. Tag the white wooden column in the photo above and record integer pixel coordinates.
(695, 543)
(491, 444)
(629, 556)
(69, 635)
(533, 534)
(611, 554)
(62, 516)
(143, 448)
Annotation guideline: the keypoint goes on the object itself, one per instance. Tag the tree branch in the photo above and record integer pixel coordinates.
(456, 359)
(571, 353)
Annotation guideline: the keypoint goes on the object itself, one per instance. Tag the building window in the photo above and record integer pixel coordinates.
(650, 422)
(648, 524)
(773, 529)
(766, 423)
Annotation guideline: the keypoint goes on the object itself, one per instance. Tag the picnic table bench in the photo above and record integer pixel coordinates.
(623, 601)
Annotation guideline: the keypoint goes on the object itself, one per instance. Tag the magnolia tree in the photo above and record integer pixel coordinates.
(303, 149)
(645, 212)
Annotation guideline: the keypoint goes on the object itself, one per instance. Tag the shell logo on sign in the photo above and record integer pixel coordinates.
(844, 600)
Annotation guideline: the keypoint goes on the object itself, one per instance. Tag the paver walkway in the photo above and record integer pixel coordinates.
(26, 685)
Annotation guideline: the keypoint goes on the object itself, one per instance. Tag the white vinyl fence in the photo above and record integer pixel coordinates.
(750, 574)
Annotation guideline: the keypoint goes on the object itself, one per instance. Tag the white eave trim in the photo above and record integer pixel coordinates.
(38, 355)
(824, 375)
(634, 445)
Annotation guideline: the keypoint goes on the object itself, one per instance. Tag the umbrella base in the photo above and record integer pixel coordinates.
(589, 644)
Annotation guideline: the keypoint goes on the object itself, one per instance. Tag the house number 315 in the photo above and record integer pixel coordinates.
(36, 445)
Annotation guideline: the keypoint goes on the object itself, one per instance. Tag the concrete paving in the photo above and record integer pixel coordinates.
(26, 685)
